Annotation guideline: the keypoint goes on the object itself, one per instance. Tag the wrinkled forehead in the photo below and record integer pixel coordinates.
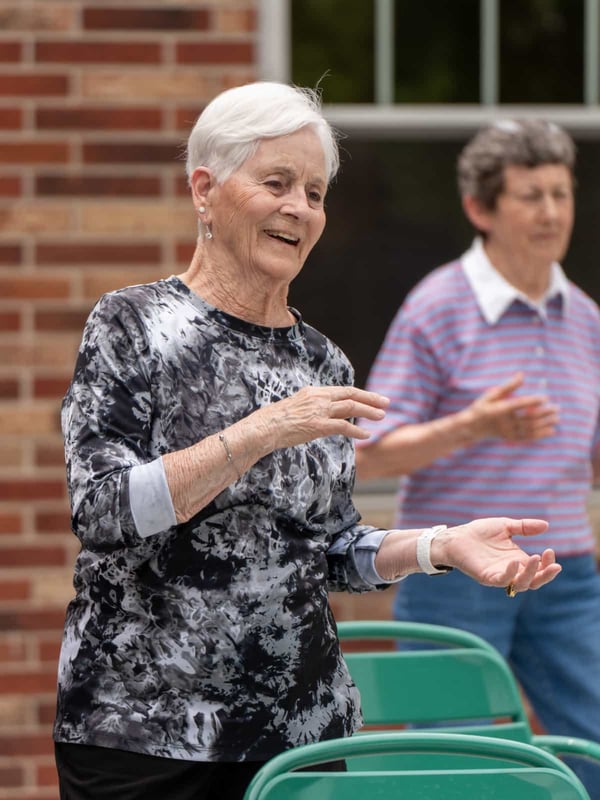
(299, 154)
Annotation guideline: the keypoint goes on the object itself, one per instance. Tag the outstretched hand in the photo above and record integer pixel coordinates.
(484, 549)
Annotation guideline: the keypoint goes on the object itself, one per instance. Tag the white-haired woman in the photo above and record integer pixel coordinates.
(209, 442)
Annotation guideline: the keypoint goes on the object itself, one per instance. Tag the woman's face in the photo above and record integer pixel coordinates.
(533, 218)
(268, 215)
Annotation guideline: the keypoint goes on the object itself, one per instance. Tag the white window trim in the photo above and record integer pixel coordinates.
(384, 119)
(274, 33)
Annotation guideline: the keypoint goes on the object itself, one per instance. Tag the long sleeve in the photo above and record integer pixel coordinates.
(107, 419)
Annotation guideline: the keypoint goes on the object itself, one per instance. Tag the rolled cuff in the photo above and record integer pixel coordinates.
(364, 554)
(150, 499)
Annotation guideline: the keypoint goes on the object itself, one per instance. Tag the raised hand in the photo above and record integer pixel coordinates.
(498, 413)
(316, 411)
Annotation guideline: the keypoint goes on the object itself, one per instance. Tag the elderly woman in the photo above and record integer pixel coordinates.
(209, 440)
(493, 369)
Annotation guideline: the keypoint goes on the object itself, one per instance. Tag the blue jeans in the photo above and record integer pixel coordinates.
(551, 638)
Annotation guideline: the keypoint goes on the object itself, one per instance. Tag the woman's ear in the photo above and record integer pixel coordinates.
(478, 216)
(200, 184)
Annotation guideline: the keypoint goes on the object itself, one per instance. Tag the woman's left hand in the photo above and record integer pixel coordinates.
(484, 549)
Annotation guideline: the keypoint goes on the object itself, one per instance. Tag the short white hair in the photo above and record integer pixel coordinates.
(232, 125)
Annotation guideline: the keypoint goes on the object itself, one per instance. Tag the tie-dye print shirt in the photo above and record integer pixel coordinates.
(211, 640)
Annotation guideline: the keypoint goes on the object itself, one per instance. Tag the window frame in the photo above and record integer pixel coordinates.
(385, 119)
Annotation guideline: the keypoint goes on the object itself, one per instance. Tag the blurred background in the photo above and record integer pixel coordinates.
(96, 102)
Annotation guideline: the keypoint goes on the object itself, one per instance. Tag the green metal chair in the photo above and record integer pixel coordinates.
(463, 683)
(423, 766)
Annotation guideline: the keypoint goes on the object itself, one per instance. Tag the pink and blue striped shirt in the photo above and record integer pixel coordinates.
(461, 330)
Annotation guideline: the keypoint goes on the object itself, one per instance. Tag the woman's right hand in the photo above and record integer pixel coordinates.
(198, 473)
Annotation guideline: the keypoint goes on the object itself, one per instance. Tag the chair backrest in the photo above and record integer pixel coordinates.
(466, 686)
(460, 766)
(449, 677)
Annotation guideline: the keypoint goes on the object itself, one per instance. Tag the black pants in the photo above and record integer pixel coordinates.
(86, 772)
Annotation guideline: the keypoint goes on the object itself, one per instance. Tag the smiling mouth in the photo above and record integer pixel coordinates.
(286, 238)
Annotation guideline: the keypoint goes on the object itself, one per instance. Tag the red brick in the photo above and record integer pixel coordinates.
(136, 19)
(105, 118)
(11, 777)
(185, 118)
(33, 84)
(89, 52)
(98, 253)
(57, 352)
(12, 451)
(49, 650)
(46, 775)
(34, 794)
(63, 320)
(46, 712)
(232, 20)
(34, 152)
(10, 321)
(12, 650)
(98, 282)
(9, 390)
(146, 152)
(11, 118)
(52, 521)
(18, 16)
(36, 556)
(215, 53)
(33, 744)
(10, 186)
(50, 454)
(14, 590)
(28, 288)
(10, 51)
(181, 186)
(27, 683)
(32, 620)
(10, 523)
(184, 252)
(27, 419)
(51, 386)
(98, 185)
(10, 255)
(14, 490)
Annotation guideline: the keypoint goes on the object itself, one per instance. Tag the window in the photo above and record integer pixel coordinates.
(436, 52)
(407, 83)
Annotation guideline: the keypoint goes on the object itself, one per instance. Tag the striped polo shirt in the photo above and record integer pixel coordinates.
(461, 330)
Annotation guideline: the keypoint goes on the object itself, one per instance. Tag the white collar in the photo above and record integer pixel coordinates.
(494, 294)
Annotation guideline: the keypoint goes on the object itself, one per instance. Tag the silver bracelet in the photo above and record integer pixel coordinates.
(229, 454)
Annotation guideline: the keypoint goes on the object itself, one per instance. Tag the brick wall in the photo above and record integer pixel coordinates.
(96, 99)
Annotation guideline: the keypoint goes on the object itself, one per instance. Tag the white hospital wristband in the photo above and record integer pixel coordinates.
(424, 551)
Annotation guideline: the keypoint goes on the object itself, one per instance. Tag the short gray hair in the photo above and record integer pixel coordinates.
(510, 142)
(231, 126)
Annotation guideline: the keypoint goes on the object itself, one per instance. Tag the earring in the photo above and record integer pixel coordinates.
(208, 234)
(201, 210)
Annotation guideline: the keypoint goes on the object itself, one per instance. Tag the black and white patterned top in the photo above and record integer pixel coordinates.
(210, 640)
